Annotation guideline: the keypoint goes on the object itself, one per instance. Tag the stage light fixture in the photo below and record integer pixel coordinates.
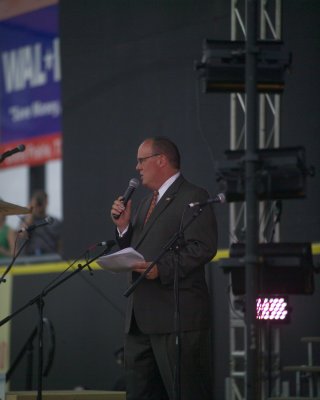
(283, 268)
(272, 309)
(280, 172)
(222, 67)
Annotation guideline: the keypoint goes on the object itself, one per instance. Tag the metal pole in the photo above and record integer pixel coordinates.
(252, 386)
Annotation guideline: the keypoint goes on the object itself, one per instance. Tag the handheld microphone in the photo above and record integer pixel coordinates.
(133, 184)
(219, 198)
(9, 153)
(46, 221)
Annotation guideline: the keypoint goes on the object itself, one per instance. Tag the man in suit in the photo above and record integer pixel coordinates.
(151, 325)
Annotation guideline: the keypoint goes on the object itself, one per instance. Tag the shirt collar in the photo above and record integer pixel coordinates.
(167, 184)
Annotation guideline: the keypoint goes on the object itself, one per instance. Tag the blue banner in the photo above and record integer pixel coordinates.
(30, 81)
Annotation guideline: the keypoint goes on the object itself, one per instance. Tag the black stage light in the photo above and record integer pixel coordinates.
(280, 172)
(222, 67)
(283, 268)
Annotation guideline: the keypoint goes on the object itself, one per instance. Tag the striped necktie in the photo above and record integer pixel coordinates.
(152, 205)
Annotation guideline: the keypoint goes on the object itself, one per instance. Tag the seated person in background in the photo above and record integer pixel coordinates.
(7, 238)
(45, 239)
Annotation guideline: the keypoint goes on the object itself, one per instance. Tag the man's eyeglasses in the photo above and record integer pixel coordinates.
(143, 159)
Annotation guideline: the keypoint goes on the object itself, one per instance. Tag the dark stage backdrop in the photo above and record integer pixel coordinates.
(128, 73)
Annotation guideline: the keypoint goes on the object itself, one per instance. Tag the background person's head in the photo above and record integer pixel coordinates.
(38, 204)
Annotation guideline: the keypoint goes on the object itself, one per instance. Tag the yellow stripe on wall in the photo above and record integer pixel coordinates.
(44, 268)
(60, 266)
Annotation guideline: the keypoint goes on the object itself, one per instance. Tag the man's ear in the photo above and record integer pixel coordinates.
(162, 160)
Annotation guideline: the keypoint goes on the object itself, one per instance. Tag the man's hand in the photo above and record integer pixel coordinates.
(123, 213)
(141, 266)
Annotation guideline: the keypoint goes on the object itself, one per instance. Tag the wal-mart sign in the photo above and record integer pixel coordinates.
(30, 105)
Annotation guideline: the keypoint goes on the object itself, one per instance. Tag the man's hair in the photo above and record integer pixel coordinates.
(164, 145)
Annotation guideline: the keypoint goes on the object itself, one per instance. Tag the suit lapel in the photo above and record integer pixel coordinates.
(167, 198)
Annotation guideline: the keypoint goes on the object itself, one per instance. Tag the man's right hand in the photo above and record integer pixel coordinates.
(124, 213)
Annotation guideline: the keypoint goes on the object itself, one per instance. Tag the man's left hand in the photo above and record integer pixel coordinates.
(140, 267)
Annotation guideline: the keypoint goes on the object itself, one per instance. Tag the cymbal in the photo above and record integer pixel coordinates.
(12, 209)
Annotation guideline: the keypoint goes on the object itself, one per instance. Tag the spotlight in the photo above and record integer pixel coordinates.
(272, 309)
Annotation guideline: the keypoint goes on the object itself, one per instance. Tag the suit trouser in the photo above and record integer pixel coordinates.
(150, 364)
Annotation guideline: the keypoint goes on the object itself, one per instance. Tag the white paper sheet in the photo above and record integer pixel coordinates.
(121, 261)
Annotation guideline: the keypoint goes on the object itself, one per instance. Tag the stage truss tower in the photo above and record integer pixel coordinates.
(269, 137)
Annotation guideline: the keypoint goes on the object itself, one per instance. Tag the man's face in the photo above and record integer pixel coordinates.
(38, 207)
(148, 165)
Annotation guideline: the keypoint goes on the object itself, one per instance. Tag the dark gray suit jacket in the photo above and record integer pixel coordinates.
(153, 300)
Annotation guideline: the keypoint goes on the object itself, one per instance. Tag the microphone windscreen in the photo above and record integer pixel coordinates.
(21, 147)
(134, 182)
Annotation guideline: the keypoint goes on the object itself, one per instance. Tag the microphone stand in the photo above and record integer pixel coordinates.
(172, 244)
(40, 303)
(177, 326)
(2, 279)
(168, 246)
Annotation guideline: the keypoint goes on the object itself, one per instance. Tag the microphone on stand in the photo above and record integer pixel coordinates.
(46, 221)
(108, 243)
(133, 184)
(9, 153)
(219, 198)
